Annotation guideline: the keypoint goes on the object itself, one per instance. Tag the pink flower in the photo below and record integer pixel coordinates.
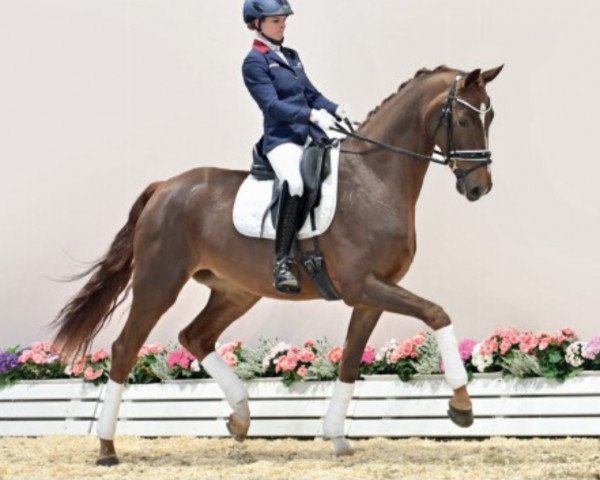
(527, 342)
(229, 347)
(25, 356)
(91, 375)
(569, 333)
(287, 364)
(230, 359)
(368, 355)
(505, 346)
(309, 343)
(294, 354)
(307, 356)
(418, 339)
(335, 354)
(181, 358)
(156, 348)
(37, 346)
(100, 355)
(465, 348)
(78, 367)
(152, 349)
(489, 346)
(302, 371)
(38, 358)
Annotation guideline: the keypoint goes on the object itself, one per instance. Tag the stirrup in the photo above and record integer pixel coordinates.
(284, 280)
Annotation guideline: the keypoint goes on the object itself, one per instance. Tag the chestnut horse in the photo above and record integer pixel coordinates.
(182, 228)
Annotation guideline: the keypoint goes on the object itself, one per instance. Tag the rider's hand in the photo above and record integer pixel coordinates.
(342, 113)
(323, 119)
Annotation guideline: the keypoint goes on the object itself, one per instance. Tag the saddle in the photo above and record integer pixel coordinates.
(315, 167)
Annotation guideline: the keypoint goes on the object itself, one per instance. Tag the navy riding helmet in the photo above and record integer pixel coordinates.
(260, 9)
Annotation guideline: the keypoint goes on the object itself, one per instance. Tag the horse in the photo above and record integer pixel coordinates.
(182, 228)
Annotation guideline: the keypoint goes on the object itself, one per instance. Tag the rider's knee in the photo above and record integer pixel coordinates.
(295, 187)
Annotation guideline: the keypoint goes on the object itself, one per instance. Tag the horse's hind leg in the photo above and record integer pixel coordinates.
(223, 308)
(156, 285)
(361, 326)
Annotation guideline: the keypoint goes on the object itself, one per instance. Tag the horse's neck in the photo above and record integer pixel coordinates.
(401, 176)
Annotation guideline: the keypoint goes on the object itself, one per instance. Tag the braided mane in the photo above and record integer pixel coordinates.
(420, 73)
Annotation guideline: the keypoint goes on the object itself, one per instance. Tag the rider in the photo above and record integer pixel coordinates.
(294, 111)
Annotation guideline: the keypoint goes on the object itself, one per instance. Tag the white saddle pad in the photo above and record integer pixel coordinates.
(254, 196)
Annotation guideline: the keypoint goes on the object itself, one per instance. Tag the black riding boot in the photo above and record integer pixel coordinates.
(287, 223)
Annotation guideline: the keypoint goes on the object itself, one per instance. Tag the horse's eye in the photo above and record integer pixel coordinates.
(463, 122)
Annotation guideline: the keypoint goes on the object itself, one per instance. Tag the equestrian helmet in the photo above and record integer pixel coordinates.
(260, 9)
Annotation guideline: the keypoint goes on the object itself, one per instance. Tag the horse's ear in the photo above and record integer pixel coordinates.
(472, 78)
(489, 75)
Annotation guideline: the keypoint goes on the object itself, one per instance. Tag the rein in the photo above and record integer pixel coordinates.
(481, 157)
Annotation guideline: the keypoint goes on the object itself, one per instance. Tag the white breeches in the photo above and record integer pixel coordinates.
(285, 160)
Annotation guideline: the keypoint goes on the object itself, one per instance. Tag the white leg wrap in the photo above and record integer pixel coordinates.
(234, 389)
(333, 425)
(454, 370)
(107, 423)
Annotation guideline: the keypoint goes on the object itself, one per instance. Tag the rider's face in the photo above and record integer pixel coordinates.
(274, 27)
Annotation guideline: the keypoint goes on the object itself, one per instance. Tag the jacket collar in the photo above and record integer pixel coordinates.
(271, 55)
(260, 46)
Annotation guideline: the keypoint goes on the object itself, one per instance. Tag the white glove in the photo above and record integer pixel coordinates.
(323, 119)
(342, 112)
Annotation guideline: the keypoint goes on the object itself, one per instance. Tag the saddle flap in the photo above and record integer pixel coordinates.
(315, 167)
(255, 197)
(261, 168)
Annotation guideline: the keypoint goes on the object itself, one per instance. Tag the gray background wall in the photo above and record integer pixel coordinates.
(99, 98)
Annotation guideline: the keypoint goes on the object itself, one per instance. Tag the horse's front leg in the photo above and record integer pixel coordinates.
(361, 326)
(380, 294)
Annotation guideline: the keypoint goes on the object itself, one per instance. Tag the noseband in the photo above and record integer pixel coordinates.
(481, 158)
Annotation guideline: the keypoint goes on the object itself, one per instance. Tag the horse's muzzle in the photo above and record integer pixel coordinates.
(472, 193)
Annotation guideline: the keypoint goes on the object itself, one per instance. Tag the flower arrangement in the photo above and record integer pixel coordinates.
(508, 350)
(315, 360)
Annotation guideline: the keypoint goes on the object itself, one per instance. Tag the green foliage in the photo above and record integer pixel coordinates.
(520, 365)
(553, 364)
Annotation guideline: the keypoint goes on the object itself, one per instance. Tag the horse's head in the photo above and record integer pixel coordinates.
(462, 131)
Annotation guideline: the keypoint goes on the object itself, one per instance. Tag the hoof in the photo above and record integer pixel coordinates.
(238, 427)
(341, 447)
(108, 461)
(462, 418)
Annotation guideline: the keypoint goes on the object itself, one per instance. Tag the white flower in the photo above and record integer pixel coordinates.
(195, 366)
(275, 351)
(480, 361)
(68, 370)
(573, 354)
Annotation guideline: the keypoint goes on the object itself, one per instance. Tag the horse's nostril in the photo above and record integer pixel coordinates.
(474, 193)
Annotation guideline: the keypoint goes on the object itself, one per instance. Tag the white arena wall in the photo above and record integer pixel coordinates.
(99, 98)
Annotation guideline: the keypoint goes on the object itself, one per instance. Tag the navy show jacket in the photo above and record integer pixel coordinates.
(284, 94)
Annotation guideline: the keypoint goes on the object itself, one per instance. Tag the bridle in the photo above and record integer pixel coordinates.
(482, 158)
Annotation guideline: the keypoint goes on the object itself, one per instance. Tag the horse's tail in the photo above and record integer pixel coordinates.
(86, 314)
